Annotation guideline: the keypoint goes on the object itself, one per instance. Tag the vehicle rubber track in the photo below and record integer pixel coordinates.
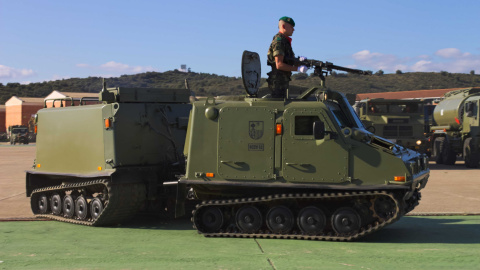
(123, 201)
(313, 198)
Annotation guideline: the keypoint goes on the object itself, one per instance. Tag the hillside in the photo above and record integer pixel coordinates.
(210, 84)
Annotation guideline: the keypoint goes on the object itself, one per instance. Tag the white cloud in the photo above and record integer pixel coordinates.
(14, 73)
(375, 60)
(117, 68)
(112, 65)
(448, 59)
(57, 77)
(449, 53)
(422, 66)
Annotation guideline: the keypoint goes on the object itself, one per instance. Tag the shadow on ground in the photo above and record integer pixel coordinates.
(435, 229)
(458, 166)
(145, 221)
(445, 230)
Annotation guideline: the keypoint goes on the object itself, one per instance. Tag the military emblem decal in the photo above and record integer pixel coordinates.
(255, 129)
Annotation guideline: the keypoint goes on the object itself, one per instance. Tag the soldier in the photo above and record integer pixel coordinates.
(280, 58)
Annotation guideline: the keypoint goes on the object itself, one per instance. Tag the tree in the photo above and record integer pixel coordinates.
(398, 71)
(380, 72)
(472, 72)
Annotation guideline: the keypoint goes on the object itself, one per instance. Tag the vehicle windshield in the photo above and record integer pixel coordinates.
(394, 108)
(340, 116)
(19, 130)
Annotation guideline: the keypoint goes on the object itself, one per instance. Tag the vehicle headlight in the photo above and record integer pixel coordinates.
(419, 142)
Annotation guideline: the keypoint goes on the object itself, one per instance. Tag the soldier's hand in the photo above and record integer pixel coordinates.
(302, 69)
(302, 58)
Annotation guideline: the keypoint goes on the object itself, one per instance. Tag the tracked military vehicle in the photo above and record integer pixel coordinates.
(301, 167)
(457, 129)
(98, 164)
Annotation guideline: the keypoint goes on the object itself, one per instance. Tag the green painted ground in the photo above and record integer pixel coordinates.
(414, 242)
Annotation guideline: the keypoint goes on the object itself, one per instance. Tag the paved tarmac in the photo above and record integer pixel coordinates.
(450, 190)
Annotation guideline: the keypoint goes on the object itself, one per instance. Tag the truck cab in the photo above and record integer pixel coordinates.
(18, 134)
(404, 122)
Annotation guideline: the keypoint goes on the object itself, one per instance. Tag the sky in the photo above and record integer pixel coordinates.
(53, 40)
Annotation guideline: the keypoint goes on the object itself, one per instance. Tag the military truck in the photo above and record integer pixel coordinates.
(18, 134)
(457, 129)
(403, 122)
(302, 167)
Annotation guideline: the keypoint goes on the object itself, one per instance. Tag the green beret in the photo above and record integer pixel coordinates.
(288, 20)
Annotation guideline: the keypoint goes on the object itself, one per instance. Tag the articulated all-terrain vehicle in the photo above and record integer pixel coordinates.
(302, 167)
(18, 134)
(457, 129)
(400, 121)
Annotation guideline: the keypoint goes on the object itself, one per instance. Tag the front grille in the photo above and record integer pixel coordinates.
(397, 131)
(390, 131)
(418, 164)
(405, 131)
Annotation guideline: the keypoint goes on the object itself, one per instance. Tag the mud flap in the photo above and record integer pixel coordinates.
(180, 201)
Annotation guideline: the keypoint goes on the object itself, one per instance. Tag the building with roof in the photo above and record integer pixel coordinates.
(64, 99)
(430, 94)
(19, 110)
(2, 119)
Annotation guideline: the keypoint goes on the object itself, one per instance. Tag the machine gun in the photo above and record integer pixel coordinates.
(323, 68)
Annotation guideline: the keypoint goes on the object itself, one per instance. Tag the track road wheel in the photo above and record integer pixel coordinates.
(43, 203)
(96, 208)
(346, 221)
(383, 207)
(249, 219)
(472, 157)
(56, 204)
(81, 208)
(311, 220)
(212, 219)
(280, 219)
(68, 206)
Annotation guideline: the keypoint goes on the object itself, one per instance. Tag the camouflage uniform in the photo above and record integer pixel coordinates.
(278, 80)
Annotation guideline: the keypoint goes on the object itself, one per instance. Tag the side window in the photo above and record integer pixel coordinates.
(304, 124)
(471, 109)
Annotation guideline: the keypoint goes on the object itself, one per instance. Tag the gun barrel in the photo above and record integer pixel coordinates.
(328, 66)
(350, 70)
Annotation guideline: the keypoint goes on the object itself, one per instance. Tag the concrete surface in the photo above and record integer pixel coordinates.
(451, 189)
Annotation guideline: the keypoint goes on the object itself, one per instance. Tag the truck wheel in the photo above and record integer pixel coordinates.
(448, 155)
(472, 158)
(438, 145)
